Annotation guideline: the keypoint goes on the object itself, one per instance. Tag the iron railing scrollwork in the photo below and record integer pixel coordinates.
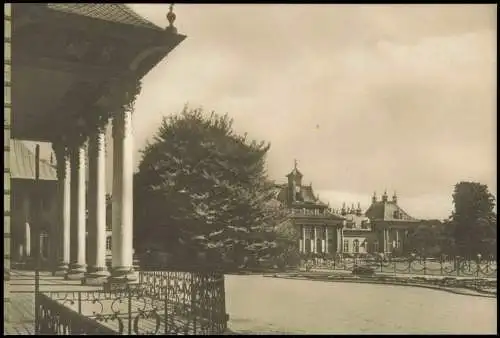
(443, 266)
(163, 302)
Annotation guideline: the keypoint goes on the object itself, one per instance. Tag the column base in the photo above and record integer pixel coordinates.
(76, 272)
(122, 275)
(61, 270)
(96, 276)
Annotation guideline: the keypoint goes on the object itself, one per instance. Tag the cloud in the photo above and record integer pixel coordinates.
(365, 97)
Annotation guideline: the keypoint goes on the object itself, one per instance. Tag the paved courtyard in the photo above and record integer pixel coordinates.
(259, 304)
(22, 288)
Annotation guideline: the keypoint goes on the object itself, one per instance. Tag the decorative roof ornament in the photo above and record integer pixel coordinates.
(171, 19)
(395, 197)
(385, 196)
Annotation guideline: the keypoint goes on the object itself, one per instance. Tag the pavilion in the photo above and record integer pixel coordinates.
(76, 67)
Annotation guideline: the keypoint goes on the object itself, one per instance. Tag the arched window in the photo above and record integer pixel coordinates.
(356, 245)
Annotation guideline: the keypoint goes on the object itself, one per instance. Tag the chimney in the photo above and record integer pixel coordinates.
(374, 197)
(395, 198)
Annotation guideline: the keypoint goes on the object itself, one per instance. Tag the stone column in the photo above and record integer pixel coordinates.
(27, 227)
(315, 239)
(77, 266)
(339, 240)
(97, 272)
(64, 194)
(123, 175)
(303, 238)
(387, 239)
(397, 239)
(326, 240)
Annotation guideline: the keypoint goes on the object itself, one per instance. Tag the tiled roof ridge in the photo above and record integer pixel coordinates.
(113, 12)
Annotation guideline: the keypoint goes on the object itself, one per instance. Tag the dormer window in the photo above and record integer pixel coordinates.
(396, 214)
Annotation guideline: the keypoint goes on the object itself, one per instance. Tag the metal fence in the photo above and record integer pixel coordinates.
(452, 266)
(182, 303)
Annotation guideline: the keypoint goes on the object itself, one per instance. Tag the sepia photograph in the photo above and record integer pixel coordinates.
(250, 169)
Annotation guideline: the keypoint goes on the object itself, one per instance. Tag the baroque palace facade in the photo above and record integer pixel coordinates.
(382, 228)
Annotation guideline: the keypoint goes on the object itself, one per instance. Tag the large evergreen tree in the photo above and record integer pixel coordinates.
(473, 219)
(202, 188)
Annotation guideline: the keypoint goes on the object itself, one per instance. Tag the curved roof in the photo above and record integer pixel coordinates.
(387, 211)
(119, 13)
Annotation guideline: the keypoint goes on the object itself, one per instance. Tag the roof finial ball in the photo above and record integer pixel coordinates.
(171, 19)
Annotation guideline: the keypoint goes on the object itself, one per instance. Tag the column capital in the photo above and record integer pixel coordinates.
(122, 123)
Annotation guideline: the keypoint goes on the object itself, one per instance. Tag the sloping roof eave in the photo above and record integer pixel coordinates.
(112, 12)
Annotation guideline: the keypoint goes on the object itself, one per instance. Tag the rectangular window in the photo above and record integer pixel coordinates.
(331, 246)
(308, 232)
(319, 246)
(108, 243)
(6, 116)
(331, 232)
(6, 71)
(356, 246)
(346, 245)
(375, 246)
(6, 94)
(307, 246)
(6, 155)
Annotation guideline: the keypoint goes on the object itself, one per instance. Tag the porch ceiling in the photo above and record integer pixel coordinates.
(63, 60)
(35, 93)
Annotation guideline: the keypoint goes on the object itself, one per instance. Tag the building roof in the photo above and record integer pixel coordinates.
(295, 172)
(22, 163)
(357, 220)
(387, 211)
(306, 195)
(114, 12)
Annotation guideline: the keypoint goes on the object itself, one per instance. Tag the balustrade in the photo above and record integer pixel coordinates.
(163, 302)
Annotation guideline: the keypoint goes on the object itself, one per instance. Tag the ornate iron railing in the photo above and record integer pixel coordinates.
(55, 318)
(163, 302)
(456, 266)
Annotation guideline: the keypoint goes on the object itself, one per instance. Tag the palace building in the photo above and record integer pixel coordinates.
(382, 228)
(319, 227)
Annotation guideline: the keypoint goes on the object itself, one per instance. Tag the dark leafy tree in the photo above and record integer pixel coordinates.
(429, 239)
(202, 189)
(473, 219)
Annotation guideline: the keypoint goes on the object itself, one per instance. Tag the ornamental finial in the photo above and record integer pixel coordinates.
(171, 16)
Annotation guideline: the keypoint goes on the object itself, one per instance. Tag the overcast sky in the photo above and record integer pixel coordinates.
(366, 98)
